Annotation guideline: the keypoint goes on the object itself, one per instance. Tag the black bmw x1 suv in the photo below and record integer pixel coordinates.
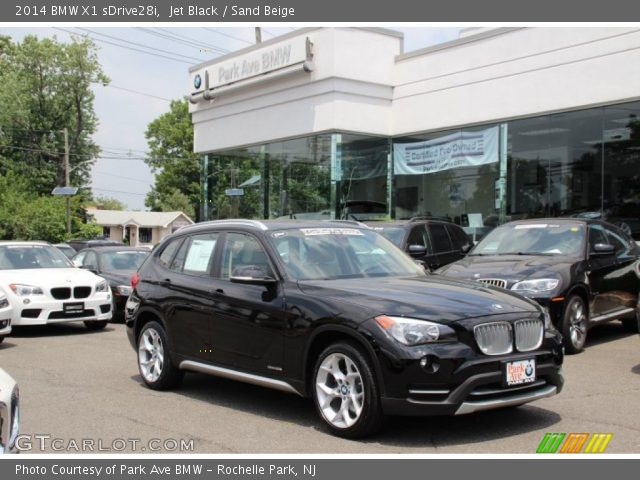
(335, 312)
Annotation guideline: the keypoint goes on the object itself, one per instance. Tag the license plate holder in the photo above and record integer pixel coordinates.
(519, 372)
(73, 307)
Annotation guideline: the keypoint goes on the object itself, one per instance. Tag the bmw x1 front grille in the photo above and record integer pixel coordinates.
(497, 338)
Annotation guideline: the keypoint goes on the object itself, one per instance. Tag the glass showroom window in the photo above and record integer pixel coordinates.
(449, 174)
(555, 165)
(360, 175)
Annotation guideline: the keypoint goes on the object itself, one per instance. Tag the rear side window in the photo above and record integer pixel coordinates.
(198, 258)
(169, 251)
(440, 238)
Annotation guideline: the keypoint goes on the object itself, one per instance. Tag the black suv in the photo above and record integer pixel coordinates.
(583, 271)
(433, 241)
(335, 312)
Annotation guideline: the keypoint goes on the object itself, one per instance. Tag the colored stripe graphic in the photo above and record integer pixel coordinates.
(550, 442)
(598, 443)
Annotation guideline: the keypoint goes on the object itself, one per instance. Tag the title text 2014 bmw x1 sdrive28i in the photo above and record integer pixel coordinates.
(337, 313)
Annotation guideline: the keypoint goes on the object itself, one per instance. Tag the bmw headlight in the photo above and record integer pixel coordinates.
(537, 285)
(103, 286)
(4, 303)
(411, 331)
(25, 290)
(123, 290)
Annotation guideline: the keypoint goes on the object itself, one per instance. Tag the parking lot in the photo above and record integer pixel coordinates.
(77, 385)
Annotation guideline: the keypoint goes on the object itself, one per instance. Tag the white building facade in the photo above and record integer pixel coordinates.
(499, 124)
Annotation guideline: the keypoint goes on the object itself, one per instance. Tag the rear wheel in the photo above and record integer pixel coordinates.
(345, 391)
(575, 324)
(154, 360)
(96, 325)
(1, 338)
(632, 324)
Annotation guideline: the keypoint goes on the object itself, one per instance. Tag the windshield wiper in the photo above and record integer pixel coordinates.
(527, 253)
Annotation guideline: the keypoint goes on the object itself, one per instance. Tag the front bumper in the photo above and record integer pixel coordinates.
(456, 378)
(42, 310)
(5, 322)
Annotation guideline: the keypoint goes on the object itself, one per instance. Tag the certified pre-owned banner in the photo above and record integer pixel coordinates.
(460, 149)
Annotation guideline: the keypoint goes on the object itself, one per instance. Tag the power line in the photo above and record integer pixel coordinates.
(138, 44)
(104, 157)
(108, 85)
(119, 176)
(123, 46)
(175, 37)
(118, 191)
(227, 35)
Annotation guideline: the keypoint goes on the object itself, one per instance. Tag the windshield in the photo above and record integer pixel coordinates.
(21, 257)
(393, 234)
(534, 239)
(122, 260)
(333, 253)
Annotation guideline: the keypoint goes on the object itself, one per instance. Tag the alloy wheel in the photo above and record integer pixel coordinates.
(577, 324)
(150, 355)
(340, 390)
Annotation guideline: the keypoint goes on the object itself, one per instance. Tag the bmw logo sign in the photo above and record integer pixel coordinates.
(197, 81)
(529, 370)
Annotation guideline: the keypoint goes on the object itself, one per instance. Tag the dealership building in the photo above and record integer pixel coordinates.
(499, 124)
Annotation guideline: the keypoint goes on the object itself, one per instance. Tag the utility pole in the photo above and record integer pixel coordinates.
(258, 35)
(66, 176)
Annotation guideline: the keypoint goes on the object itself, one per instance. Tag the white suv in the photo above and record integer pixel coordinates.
(9, 413)
(43, 286)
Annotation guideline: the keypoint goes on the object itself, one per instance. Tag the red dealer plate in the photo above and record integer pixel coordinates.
(520, 372)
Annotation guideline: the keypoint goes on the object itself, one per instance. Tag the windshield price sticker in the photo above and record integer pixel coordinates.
(330, 231)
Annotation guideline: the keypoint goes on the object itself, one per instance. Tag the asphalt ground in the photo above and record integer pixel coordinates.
(81, 392)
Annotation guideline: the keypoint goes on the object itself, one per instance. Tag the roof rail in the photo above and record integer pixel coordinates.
(429, 217)
(350, 222)
(231, 221)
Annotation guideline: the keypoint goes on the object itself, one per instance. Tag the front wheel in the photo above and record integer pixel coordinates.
(632, 325)
(345, 391)
(575, 324)
(1, 338)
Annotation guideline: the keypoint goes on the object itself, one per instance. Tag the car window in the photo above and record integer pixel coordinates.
(458, 237)
(168, 252)
(596, 235)
(440, 238)
(393, 234)
(121, 260)
(618, 240)
(178, 261)
(18, 257)
(533, 238)
(91, 259)
(198, 259)
(79, 258)
(243, 251)
(418, 236)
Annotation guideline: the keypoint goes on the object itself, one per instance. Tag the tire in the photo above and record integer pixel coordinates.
(345, 391)
(575, 323)
(96, 325)
(632, 325)
(154, 359)
(1, 338)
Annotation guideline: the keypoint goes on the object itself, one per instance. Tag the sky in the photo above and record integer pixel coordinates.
(148, 67)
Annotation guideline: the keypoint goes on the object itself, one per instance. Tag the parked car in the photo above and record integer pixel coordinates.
(625, 216)
(335, 312)
(5, 316)
(80, 244)
(116, 265)
(584, 272)
(67, 249)
(9, 413)
(434, 242)
(43, 286)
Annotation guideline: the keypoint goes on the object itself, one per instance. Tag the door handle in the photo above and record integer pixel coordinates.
(217, 291)
(165, 282)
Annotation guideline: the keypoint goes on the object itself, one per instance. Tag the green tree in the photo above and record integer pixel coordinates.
(177, 201)
(171, 158)
(45, 86)
(109, 203)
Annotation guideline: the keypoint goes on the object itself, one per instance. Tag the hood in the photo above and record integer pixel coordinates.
(512, 268)
(428, 298)
(49, 277)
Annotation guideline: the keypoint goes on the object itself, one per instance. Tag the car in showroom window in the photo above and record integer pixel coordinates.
(337, 313)
(584, 272)
(43, 286)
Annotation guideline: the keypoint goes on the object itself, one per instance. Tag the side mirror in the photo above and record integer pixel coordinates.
(416, 251)
(252, 275)
(465, 248)
(602, 249)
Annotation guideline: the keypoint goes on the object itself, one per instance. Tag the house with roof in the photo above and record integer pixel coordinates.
(139, 228)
